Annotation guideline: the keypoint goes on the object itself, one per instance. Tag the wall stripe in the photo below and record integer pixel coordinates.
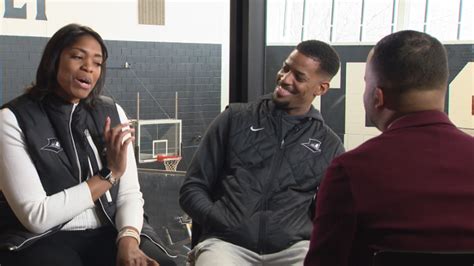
(151, 12)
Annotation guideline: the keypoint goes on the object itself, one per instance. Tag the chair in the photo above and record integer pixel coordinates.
(422, 258)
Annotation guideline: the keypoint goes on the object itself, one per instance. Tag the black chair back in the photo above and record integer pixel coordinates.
(422, 258)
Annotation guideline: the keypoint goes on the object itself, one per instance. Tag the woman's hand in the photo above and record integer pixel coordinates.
(117, 140)
(129, 253)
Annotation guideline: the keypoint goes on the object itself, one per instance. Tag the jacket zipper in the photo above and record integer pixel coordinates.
(263, 219)
(106, 214)
(99, 164)
(142, 234)
(93, 147)
(28, 240)
(74, 144)
(97, 159)
(276, 162)
(162, 248)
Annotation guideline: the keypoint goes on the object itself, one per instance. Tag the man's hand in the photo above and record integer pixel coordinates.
(129, 253)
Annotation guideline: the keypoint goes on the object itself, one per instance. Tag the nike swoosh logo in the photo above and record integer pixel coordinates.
(256, 129)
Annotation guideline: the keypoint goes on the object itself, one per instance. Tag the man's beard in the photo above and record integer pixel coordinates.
(279, 104)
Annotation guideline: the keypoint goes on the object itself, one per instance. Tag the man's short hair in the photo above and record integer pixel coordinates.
(323, 53)
(408, 60)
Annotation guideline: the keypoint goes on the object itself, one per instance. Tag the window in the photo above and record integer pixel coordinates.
(291, 21)
(285, 19)
(466, 30)
(318, 20)
(378, 19)
(442, 19)
(347, 20)
(413, 15)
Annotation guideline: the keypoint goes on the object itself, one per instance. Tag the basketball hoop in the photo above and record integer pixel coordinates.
(170, 161)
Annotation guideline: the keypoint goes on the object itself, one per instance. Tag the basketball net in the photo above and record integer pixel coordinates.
(170, 162)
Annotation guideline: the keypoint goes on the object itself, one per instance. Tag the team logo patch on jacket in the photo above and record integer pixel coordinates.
(53, 145)
(313, 145)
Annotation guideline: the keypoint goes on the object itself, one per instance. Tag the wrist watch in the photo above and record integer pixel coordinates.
(106, 174)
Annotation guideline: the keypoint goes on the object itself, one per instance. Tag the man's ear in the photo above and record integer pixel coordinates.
(321, 89)
(379, 98)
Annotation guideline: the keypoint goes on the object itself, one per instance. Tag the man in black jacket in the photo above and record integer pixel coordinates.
(251, 182)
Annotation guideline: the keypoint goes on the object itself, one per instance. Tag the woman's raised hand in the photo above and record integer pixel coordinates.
(117, 140)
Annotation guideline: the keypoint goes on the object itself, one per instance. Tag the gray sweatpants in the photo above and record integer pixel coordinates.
(216, 252)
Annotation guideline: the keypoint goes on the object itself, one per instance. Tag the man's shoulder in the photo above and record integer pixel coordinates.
(330, 132)
(462, 135)
(250, 107)
(239, 107)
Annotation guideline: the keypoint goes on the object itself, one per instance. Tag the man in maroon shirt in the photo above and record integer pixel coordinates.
(410, 188)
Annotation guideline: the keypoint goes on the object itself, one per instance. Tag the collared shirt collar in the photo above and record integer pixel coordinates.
(420, 119)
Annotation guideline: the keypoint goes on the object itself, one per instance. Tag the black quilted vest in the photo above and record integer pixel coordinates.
(48, 126)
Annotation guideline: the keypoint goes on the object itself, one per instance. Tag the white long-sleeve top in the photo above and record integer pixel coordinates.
(21, 185)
